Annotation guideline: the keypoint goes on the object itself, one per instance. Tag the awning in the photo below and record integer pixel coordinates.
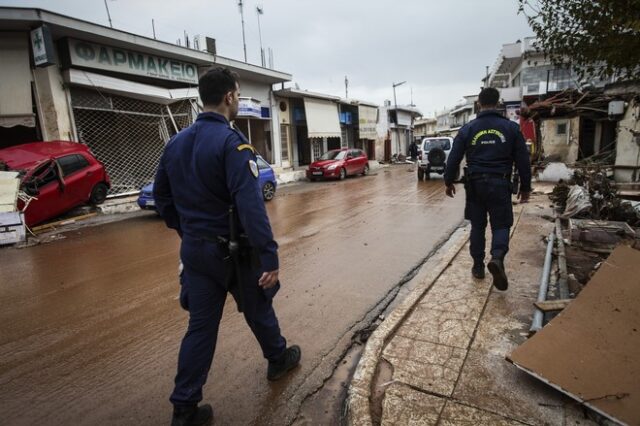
(16, 108)
(322, 118)
(127, 88)
(368, 119)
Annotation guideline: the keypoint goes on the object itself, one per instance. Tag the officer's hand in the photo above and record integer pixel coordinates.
(451, 190)
(523, 197)
(268, 279)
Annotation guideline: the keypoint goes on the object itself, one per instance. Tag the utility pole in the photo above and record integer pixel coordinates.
(260, 11)
(244, 42)
(395, 103)
(108, 13)
(346, 87)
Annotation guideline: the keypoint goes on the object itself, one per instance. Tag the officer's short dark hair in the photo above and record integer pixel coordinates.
(489, 97)
(215, 84)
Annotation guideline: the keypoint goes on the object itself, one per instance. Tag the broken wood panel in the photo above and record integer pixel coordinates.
(552, 305)
(591, 350)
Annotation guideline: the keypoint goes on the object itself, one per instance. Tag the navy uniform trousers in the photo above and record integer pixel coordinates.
(492, 196)
(204, 294)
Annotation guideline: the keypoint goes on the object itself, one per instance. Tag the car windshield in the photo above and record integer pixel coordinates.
(436, 143)
(334, 155)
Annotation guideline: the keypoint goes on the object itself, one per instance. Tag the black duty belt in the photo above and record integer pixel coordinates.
(476, 176)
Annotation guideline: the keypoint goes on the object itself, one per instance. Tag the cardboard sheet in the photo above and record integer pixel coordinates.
(591, 350)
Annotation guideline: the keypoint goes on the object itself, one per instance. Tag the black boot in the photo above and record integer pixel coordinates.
(496, 267)
(192, 415)
(288, 360)
(478, 270)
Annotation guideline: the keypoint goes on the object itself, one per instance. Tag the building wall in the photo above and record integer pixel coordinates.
(628, 144)
(564, 146)
(53, 104)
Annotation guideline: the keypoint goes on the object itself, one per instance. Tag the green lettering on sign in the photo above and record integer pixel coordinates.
(136, 61)
(119, 57)
(85, 51)
(151, 66)
(103, 56)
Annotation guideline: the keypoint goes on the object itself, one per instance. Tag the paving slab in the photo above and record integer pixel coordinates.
(449, 328)
(455, 414)
(424, 365)
(405, 406)
(490, 383)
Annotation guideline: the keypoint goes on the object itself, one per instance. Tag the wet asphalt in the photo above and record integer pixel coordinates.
(90, 324)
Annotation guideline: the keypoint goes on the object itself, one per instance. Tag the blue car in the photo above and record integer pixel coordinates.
(145, 199)
(267, 180)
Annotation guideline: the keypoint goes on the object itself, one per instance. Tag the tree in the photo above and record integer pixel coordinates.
(597, 38)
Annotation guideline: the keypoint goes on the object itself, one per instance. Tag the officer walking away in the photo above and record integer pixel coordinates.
(492, 144)
(206, 188)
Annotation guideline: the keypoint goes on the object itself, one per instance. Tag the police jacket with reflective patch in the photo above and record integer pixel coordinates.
(492, 144)
(204, 169)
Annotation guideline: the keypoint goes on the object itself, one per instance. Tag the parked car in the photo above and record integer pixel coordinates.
(60, 175)
(338, 164)
(266, 180)
(433, 159)
(145, 199)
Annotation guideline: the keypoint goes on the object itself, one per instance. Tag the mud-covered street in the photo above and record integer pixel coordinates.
(90, 324)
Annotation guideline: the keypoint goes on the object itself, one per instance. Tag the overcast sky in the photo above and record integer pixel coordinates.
(440, 48)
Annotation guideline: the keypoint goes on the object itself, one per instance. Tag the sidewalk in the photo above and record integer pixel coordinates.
(439, 358)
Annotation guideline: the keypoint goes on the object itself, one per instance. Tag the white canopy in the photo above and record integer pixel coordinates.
(322, 118)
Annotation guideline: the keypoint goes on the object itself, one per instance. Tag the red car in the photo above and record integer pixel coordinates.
(61, 175)
(339, 163)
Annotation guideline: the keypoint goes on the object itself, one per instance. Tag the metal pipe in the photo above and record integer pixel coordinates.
(563, 285)
(538, 315)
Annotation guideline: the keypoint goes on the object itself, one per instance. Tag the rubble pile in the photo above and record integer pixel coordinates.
(605, 203)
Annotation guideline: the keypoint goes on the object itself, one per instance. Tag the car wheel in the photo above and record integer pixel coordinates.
(365, 171)
(268, 191)
(98, 193)
(343, 173)
(427, 174)
(420, 174)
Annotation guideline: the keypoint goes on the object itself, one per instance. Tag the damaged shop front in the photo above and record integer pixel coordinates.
(120, 94)
(586, 127)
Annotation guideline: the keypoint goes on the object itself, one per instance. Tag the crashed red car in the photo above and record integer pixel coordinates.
(60, 175)
(338, 164)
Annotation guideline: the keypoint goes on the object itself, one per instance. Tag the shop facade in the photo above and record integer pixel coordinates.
(122, 95)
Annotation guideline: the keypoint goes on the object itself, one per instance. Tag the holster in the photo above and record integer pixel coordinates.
(239, 258)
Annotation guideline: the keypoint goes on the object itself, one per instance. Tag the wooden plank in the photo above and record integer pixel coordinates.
(552, 305)
(62, 222)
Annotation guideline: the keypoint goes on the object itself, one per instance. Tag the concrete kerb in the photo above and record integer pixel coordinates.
(360, 389)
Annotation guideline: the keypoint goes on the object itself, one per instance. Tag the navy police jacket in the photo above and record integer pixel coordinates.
(203, 170)
(492, 144)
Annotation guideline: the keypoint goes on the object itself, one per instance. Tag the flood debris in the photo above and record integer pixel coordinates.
(591, 349)
(590, 194)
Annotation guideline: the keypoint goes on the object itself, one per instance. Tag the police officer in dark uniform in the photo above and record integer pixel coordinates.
(207, 184)
(492, 144)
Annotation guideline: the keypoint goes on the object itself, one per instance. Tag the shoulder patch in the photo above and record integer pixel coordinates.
(244, 146)
(253, 167)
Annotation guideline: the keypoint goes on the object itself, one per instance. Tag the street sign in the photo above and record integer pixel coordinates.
(42, 47)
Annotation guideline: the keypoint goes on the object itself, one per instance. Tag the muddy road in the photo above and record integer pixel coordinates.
(90, 325)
